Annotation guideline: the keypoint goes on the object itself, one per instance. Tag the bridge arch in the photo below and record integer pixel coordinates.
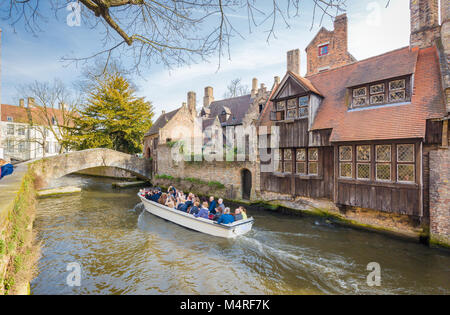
(57, 166)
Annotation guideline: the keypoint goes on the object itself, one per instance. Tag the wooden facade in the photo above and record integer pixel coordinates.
(384, 175)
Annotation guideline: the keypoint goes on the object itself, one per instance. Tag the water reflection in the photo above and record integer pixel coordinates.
(124, 250)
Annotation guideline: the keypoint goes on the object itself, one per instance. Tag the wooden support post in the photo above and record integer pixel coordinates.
(445, 133)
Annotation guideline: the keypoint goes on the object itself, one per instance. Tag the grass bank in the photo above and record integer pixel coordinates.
(18, 250)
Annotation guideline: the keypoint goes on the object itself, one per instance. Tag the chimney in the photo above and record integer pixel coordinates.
(209, 97)
(445, 40)
(254, 87)
(191, 101)
(341, 33)
(276, 80)
(330, 49)
(262, 89)
(425, 22)
(163, 112)
(293, 61)
(22, 102)
(30, 102)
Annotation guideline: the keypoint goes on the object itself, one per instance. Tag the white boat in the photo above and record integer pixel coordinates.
(198, 224)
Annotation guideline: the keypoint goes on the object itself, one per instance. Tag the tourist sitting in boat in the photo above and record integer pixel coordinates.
(162, 200)
(156, 195)
(212, 205)
(170, 204)
(226, 217)
(220, 205)
(238, 215)
(243, 212)
(204, 212)
(195, 208)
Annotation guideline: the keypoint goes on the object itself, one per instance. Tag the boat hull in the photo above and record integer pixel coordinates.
(206, 226)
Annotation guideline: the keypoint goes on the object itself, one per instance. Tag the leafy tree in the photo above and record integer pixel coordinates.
(113, 117)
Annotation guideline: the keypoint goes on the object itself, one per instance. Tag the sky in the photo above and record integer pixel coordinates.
(372, 29)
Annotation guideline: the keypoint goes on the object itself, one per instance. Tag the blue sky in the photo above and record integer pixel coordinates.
(373, 29)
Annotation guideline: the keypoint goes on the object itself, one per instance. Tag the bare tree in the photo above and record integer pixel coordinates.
(53, 111)
(236, 88)
(172, 32)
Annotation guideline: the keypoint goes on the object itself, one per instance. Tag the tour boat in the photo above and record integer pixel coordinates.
(198, 224)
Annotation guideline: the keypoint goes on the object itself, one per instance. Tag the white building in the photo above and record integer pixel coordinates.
(25, 134)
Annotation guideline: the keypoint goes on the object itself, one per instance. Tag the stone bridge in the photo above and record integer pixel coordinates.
(57, 166)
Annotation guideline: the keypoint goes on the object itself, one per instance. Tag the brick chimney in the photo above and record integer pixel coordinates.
(209, 96)
(329, 49)
(192, 102)
(293, 61)
(30, 102)
(254, 87)
(22, 102)
(424, 22)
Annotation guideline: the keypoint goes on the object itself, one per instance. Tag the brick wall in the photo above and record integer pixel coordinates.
(440, 195)
(337, 48)
(227, 173)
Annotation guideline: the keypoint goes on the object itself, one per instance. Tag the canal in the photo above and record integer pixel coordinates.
(124, 250)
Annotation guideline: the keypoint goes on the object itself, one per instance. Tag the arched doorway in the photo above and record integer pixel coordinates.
(246, 183)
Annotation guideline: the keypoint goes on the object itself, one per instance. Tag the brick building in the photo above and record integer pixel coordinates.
(368, 136)
(365, 134)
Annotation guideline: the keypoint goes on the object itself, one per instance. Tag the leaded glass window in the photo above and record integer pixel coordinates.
(291, 113)
(377, 99)
(292, 103)
(363, 161)
(405, 173)
(397, 96)
(345, 161)
(300, 157)
(405, 163)
(287, 161)
(397, 91)
(359, 101)
(383, 165)
(303, 112)
(377, 88)
(281, 105)
(313, 157)
(303, 103)
(405, 153)
(383, 153)
(359, 92)
(397, 84)
(345, 153)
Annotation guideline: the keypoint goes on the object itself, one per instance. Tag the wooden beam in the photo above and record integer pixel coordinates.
(445, 133)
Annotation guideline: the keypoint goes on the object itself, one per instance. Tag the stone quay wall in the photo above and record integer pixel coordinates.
(440, 196)
(227, 173)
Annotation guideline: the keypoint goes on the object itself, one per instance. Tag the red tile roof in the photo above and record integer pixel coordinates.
(383, 122)
(19, 114)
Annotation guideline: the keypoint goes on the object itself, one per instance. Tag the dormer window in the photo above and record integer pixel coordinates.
(381, 93)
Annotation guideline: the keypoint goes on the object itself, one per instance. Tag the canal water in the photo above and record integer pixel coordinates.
(124, 250)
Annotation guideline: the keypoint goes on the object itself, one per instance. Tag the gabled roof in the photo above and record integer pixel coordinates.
(396, 121)
(304, 83)
(161, 122)
(22, 114)
(237, 106)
